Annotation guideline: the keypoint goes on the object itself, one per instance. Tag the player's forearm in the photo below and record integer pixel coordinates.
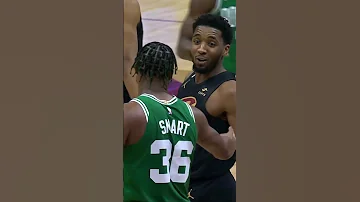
(222, 147)
(129, 80)
(183, 48)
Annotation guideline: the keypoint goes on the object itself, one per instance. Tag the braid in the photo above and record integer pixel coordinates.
(156, 60)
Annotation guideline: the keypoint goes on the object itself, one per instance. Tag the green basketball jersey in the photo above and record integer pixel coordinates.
(156, 168)
(227, 9)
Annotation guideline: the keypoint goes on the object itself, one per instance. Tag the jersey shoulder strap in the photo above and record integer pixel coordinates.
(143, 106)
(190, 110)
(152, 100)
(189, 77)
(215, 82)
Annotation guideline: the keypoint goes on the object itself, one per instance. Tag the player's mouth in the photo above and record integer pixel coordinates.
(201, 60)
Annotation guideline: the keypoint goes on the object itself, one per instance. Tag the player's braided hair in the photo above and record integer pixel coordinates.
(156, 60)
(218, 22)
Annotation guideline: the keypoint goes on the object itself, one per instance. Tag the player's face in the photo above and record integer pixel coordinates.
(207, 49)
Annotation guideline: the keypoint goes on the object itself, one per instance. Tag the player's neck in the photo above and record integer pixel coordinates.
(199, 78)
(155, 89)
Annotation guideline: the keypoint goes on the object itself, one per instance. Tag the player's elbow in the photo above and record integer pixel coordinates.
(180, 51)
(183, 49)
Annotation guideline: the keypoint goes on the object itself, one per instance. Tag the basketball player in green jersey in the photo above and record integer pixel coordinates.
(225, 8)
(161, 131)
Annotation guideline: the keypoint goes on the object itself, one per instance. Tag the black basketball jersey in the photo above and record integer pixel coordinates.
(140, 34)
(205, 165)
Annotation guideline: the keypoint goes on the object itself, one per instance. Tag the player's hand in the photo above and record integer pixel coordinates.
(230, 133)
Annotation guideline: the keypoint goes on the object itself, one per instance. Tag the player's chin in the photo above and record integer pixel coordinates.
(200, 68)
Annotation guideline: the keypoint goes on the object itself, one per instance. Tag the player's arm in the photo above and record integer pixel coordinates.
(131, 19)
(128, 120)
(134, 122)
(220, 146)
(197, 8)
(228, 92)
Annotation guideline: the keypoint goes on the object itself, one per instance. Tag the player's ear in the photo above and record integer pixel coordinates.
(226, 50)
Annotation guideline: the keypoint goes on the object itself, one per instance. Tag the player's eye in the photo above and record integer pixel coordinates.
(196, 41)
(212, 44)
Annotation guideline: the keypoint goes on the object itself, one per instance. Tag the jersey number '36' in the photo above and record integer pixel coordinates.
(177, 160)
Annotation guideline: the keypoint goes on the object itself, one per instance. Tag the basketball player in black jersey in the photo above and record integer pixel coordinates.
(211, 89)
(133, 41)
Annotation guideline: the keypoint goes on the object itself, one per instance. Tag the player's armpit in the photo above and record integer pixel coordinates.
(220, 146)
(131, 19)
(197, 8)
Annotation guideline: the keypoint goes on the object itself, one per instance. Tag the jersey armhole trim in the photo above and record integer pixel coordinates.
(143, 107)
(191, 111)
(218, 4)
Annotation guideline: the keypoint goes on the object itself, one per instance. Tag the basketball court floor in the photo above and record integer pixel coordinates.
(162, 20)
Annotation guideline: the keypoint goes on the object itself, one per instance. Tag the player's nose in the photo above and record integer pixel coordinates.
(202, 49)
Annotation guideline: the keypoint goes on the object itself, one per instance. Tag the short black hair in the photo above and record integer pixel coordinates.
(156, 60)
(216, 22)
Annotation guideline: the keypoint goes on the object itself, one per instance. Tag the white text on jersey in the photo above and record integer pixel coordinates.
(174, 127)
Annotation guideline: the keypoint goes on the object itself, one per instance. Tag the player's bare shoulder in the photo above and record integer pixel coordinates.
(228, 89)
(223, 96)
(135, 121)
(134, 112)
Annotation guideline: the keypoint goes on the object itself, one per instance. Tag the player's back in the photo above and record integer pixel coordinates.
(156, 168)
